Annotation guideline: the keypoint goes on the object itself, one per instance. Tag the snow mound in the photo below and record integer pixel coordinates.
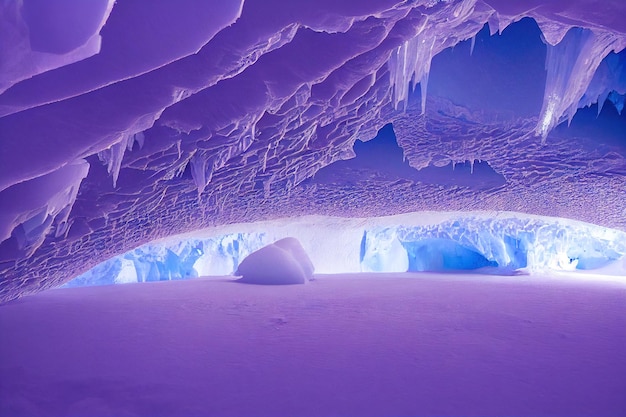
(282, 262)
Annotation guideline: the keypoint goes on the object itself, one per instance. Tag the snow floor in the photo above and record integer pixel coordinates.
(342, 345)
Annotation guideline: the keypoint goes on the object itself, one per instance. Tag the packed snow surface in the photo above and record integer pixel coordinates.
(350, 345)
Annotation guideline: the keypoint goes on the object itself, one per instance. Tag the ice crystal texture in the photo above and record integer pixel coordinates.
(505, 244)
(122, 123)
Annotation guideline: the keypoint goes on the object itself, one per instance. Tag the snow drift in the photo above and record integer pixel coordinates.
(282, 262)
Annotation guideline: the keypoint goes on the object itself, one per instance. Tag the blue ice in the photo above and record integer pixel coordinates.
(499, 244)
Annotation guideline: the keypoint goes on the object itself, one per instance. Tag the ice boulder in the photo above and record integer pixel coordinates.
(282, 262)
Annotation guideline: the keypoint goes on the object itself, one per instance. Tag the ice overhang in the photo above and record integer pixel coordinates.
(146, 121)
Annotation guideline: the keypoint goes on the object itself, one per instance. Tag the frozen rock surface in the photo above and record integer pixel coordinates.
(280, 263)
(122, 123)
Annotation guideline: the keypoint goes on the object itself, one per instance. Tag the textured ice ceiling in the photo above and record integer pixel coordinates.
(122, 122)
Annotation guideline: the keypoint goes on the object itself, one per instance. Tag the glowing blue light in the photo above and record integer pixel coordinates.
(414, 242)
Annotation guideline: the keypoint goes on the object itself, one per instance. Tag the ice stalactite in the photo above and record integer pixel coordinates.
(608, 82)
(409, 64)
(618, 101)
(33, 209)
(570, 66)
(498, 22)
(198, 171)
(112, 157)
(139, 139)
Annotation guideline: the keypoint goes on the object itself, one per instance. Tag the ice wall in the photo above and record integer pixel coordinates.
(511, 244)
(500, 244)
(195, 114)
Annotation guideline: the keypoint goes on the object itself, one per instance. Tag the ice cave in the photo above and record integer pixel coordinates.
(446, 177)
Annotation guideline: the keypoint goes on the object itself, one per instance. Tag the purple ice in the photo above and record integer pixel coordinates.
(166, 140)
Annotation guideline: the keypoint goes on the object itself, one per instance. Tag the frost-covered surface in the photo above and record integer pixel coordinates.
(499, 243)
(192, 115)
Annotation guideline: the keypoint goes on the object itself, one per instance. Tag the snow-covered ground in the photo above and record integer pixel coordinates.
(494, 242)
(347, 345)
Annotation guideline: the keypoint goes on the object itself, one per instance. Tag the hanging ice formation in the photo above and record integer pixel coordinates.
(570, 67)
(409, 65)
(241, 105)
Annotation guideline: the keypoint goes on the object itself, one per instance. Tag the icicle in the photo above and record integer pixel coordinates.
(267, 184)
(570, 67)
(139, 138)
(472, 165)
(472, 44)
(264, 166)
(410, 64)
(115, 164)
(608, 79)
(59, 190)
(246, 140)
(113, 156)
(494, 24)
(601, 101)
(198, 172)
(618, 101)
(424, 82)
(245, 143)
